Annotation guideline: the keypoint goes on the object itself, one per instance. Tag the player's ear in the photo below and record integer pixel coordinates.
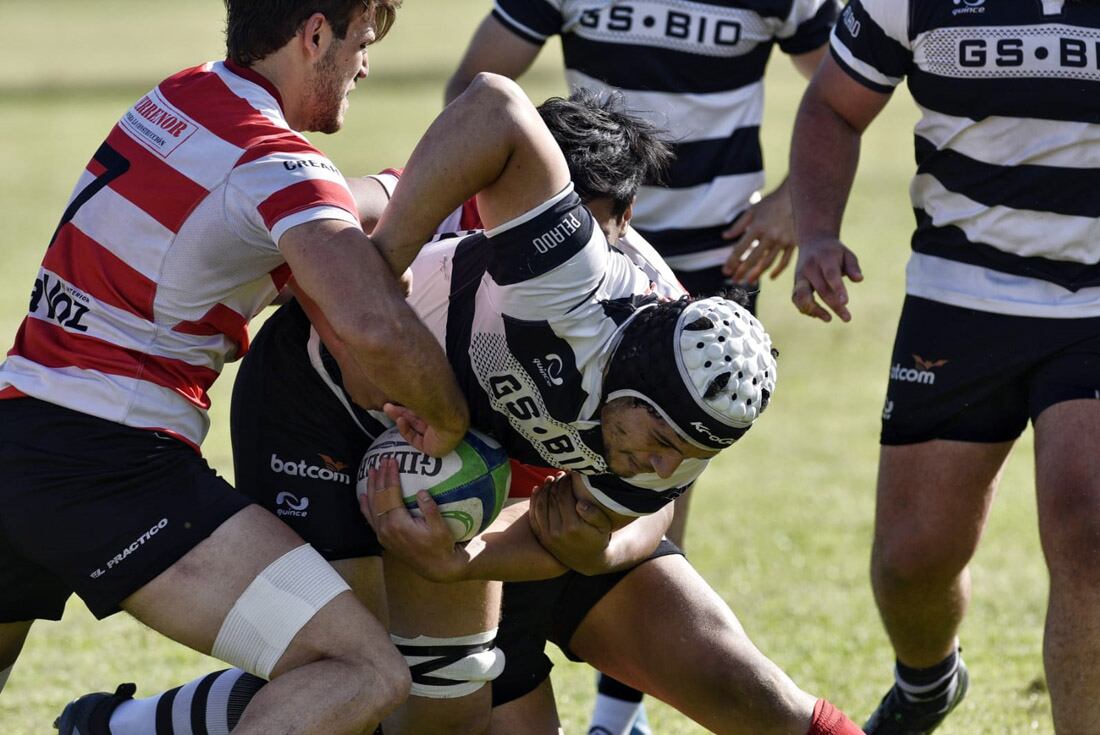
(315, 35)
(629, 213)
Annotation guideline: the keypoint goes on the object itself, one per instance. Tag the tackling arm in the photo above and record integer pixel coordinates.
(343, 278)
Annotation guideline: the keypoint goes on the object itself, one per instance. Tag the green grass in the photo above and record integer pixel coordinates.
(782, 523)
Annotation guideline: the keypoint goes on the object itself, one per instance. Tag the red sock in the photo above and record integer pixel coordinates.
(828, 720)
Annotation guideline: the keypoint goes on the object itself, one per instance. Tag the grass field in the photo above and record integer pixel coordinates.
(782, 523)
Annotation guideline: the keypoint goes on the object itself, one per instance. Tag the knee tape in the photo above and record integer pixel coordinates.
(4, 674)
(448, 668)
(279, 602)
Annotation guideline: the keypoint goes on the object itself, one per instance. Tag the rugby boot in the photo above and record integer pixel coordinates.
(91, 714)
(897, 716)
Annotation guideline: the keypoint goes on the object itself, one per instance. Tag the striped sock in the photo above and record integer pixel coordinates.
(617, 705)
(211, 705)
(932, 688)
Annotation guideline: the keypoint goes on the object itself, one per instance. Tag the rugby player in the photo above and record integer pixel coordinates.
(1000, 324)
(698, 71)
(716, 675)
(184, 224)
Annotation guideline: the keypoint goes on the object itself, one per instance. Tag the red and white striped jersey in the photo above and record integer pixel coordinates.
(168, 247)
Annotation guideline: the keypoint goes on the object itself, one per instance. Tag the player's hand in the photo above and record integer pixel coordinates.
(574, 530)
(763, 233)
(416, 431)
(823, 264)
(424, 544)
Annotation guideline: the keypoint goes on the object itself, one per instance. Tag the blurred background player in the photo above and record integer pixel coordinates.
(696, 71)
(1001, 321)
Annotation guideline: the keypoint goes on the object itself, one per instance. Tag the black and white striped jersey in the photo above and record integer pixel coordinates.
(1007, 147)
(529, 313)
(694, 69)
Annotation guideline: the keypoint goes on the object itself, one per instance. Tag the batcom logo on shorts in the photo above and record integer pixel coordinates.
(921, 374)
(331, 472)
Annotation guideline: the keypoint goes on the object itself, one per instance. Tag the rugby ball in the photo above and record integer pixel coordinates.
(470, 484)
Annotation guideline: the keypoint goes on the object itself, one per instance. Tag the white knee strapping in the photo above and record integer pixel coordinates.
(278, 603)
(448, 668)
(4, 676)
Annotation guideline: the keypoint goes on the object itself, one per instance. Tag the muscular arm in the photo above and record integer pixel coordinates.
(824, 155)
(494, 49)
(490, 142)
(344, 280)
(371, 199)
(807, 63)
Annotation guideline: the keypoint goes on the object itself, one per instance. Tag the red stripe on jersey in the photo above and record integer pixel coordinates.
(470, 219)
(284, 144)
(393, 172)
(280, 276)
(205, 98)
(51, 346)
(220, 320)
(159, 190)
(305, 195)
(526, 477)
(98, 272)
(11, 392)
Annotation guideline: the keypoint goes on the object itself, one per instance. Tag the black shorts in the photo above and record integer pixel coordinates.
(976, 376)
(94, 507)
(548, 610)
(296, 449)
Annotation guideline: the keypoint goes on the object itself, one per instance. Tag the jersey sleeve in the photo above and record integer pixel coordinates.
(871, 43)
(808, 26)
(643, 494)
(532, 20)
(284, 183)
(548, 260)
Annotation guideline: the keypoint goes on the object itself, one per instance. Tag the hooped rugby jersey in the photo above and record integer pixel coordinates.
(168, 247)
(529, 314)
(694, 69)
(1007, 147)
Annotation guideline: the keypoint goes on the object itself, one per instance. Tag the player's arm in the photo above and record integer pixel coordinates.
(491, 142)
(835, 111)
(765, 233)
(569, 522)
(344, 279)
(495, 49)
(507, 550)
(807, 63)
(371, 199)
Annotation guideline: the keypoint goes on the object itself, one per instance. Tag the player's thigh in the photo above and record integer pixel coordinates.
(663, 630)
(365, 577)
(932, 500)
(1067, 468)
(535, 713)
(190, 600)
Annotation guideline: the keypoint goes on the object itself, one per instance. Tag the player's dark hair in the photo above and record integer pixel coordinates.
(255, 29)
(610, 152)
